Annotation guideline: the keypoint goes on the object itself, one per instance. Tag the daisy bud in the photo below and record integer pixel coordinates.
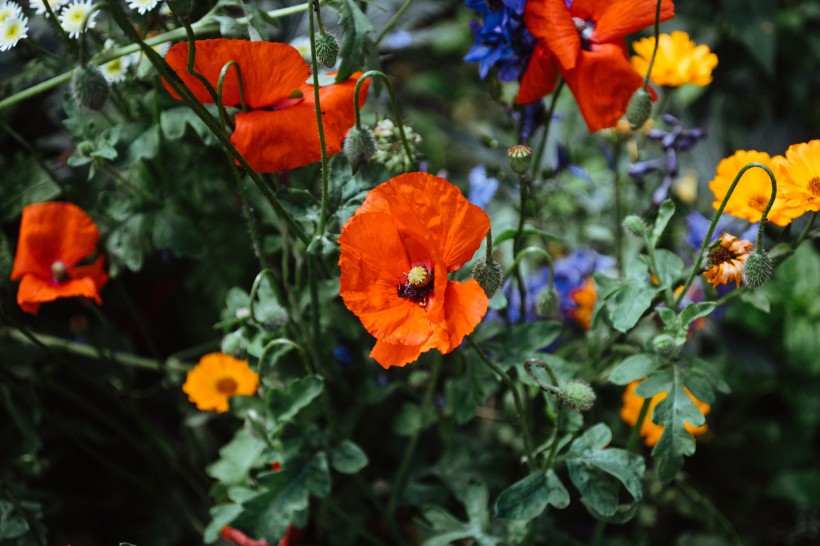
(635, 225)
(577, 394)
(639, 109)
(519, 158)
(89, 87)
(489, 275)
(359, 146)
(545, 302)
(327, 47)
(663, 344)
(758, 269)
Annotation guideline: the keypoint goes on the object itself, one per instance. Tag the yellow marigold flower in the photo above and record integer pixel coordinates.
(679, 60)
(650, 431)
(217, 378)
(752, 193)
(584, 298)
(727, 259)
(799, 175)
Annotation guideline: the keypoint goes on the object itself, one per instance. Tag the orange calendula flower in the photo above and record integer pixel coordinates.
(56, 245)
(727, 259)
(279, 131)
(216, 378)
(584, 297)
(396, 253)
(679, 61)
(799, 175)
(586, 43)
(651, 432)
(752, 193)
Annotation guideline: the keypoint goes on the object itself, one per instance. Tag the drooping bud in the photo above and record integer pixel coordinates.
(663, 344)
(519, 158)
(489, 275)
(89, 88)
(359, 146)
(577, 394)
(639, 109)
(546, 302)
(758, 269)
(327, 47)
(635, 225)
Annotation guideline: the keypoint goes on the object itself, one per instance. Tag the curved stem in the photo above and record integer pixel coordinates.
(314, 67)
(655, 49)
(394, 105)
(708, 238)
(81, 49)
(526, 252)
(285, 341)
(392, 22)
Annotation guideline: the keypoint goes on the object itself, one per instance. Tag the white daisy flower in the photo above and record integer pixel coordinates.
(72, 17)
(143, 5)
(9, 9)
(114, 71)
(39, 6)
(302, 45)
(13, 29)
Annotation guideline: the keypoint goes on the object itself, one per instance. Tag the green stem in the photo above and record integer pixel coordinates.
(314, 67)
(81, 54)
(632, 442)
(616, 188)
(393, 103)
(518, 241)
(285, 341)
(539, 153)
(526, 252)
(519, 406)
(708, 238)
(392, 22)
(668, 298)
(52, 19)
(805, 231)
(550, 460)
(655, 49)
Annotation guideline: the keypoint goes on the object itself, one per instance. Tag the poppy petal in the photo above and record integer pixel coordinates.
(33, 291)
(602, 83)
(394, 354)
(423, 202)
(614, 20)
(271, 71)
(52, 232)
(465, 304)
(551, 22)
(539, 78)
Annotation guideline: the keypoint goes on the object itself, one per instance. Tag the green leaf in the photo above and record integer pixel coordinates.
(517, 343)
(221, 515)
(24, 183)
(347, 458)
(355, 40)
(798, 487)
(665, 213)
(284, 405)
(237, 458)
(412, 418)
(145, 146)
(528, 498)
(629, 305)
(694, 311)
(174, 122)
(669, 268)
(633, 368)
(126, 245)
(174, 233)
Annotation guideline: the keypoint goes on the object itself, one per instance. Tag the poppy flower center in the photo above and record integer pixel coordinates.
(814, 186)
(59, 272)
(585, 29)
(416, 285)
(227, 386)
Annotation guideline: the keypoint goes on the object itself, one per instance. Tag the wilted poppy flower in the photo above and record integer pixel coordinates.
(57, 242)
(800, 172)
(679, 60)
(396, 253)
(216, 378)
(279, 131)
(727, 259)
(752, 193)
(585, 42)
(651, 432)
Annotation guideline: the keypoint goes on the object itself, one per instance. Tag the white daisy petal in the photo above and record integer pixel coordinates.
(72, 17)
(142, 6)
(12, 30)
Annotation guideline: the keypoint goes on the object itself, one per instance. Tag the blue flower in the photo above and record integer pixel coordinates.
(481, 187)
(501, 39)
(697, 225)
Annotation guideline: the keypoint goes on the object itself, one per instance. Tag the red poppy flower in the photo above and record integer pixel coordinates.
(278, 132)
(586, 43)
(55, 238)
(396, 252)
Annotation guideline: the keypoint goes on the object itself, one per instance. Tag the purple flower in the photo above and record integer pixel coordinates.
(697, 225)
(501, 39)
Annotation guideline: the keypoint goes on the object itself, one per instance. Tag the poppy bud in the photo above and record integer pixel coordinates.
(577, 394)
(545, 302)
(758, 269)
(663, 344)
(359, 146)
(89, 87)
(327, 47)
(489, 275)
(234, 344)
(635, 225)
(519, 158)
(639, 109)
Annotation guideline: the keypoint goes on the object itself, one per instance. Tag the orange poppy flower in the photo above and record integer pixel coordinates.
(55, 240)
(396, 252)
(586, 42)
(278, 132)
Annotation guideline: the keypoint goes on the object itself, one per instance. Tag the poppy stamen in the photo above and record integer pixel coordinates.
(59, 272)
(417, 285)
(585, 29)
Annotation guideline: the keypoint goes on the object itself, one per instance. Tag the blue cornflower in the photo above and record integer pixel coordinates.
(501, 39)
(697, 225)
(482, 188)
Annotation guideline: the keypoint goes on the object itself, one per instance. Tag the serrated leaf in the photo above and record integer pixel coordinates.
(757, 299)
(529, 497)
(669, 268)
(629, 305)
(355, 40)
(347, 458)
(694, 311)
(174, 121)
(633, 368)
(665, 213)
(284, 405)
(412, 418)
(221, 515)
(237, 458)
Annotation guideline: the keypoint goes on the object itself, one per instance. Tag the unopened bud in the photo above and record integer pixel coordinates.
(663, 344)
(519, 158)
(545, 302)
(359, 146)
(489, 275)
(577, 394)
(758, 269)
(89, 87)
(635, 225)
(234, 344)
(327, 47)
(639, 109)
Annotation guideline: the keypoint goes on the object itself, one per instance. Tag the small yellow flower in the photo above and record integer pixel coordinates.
(752, 193)
(217, 378)
(679, 60)
(727, 259)
(650, 431)
(799, 175)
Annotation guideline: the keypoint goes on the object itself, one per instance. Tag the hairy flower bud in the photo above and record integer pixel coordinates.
(546, 302)
(359, 146)
(327, 47)
(663, 344)
(758, 269)
(635, 225)
(489, 275)
(519, 158)
(89, 87)
(639, 109)
(577, 394)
